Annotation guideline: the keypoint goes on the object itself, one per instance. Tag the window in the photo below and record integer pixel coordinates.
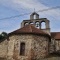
(22, 48)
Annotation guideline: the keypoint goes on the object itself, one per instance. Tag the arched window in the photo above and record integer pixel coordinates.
(43, 26)
(22, 48)
(37, 25)
(26, 23)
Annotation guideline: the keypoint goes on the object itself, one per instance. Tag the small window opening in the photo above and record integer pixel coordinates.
(22, 49)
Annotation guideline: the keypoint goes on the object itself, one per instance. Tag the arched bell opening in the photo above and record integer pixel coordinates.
(43, 25)
(37, 24)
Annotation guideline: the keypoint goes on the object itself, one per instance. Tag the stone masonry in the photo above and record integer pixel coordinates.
(36, 47)
(3, 48)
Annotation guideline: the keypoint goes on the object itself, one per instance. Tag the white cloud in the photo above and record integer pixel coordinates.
(29, 4)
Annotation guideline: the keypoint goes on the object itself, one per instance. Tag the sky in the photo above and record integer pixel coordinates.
(10, 8)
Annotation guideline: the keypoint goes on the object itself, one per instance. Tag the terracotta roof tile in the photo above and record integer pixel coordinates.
(55, 35)
(28, 29)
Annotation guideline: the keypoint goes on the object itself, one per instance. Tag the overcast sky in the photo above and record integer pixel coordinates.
(10, 8)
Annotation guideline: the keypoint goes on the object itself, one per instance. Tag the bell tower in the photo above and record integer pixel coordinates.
(34, 16)
(40, 23)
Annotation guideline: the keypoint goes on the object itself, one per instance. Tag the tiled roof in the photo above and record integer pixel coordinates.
(28, 29)
(55, 35)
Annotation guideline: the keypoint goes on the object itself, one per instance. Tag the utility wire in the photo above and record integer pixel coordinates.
(30, 13)
(49, 9)
(15, 16)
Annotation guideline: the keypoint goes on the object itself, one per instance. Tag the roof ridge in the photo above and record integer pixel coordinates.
(36, 29)
(55, 32)
(30, 27)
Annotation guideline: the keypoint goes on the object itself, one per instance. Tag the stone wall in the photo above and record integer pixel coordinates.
(40, 47)
(52, 45)
(3, 48)
(14, 46)
(10, 47)
(35, 47)
(57, 45)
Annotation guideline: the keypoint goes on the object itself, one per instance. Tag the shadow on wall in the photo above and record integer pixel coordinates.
(3, 58)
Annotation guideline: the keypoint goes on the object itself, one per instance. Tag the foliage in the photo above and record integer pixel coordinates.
(3, 35)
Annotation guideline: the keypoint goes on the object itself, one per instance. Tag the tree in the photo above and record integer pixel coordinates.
(3, 35)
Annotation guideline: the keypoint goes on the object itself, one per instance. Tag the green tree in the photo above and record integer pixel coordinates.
(3, 35)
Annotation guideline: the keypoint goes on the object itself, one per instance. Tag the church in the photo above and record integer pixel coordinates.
(31, 41)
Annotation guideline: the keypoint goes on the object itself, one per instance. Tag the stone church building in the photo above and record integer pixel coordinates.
(31, 41)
